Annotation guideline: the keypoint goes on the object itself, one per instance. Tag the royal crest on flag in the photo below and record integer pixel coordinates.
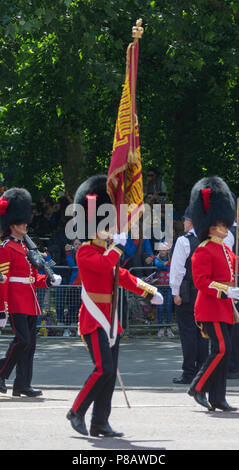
(124, 181)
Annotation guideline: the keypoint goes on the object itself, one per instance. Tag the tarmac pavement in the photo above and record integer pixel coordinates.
(161, 416)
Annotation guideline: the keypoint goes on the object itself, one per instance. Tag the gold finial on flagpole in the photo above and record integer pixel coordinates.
(137, 31)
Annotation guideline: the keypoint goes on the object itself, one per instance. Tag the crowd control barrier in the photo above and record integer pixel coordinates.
(60, 306)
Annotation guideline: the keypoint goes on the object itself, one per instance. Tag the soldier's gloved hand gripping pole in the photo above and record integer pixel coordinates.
(38, 261)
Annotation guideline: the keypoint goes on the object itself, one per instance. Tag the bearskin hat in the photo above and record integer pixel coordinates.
(15, 207)
(91, 194)
(211, 202)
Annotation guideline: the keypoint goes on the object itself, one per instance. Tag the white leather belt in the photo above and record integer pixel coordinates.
(23, 280)
(99, 316)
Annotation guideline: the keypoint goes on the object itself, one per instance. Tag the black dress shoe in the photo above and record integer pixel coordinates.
(182, 380)
(224, 406)
(28, 392)
(3, 388)
(77, 422)
(105, 430)
(200, 398)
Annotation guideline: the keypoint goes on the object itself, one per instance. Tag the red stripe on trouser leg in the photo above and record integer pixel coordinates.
(10, 353)
(96, 375)
(216, 360)
(8, 359)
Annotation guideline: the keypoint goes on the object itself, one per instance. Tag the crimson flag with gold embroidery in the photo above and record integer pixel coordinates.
(124, 180)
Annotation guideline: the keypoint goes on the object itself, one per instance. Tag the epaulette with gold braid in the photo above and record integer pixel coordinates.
(205, 242)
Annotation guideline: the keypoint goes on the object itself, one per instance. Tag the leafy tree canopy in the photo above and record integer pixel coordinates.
(62, 68)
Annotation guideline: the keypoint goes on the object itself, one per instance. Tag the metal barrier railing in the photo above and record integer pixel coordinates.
(140, 313)
(60, 306)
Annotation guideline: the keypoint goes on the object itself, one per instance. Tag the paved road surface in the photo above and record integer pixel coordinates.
(161, 415)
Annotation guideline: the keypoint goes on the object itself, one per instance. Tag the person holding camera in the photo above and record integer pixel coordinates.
(194, 346)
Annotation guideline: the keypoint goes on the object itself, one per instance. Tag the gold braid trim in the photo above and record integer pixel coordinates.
(4, 267)
(220, 288)
(113, 247)
(147, 288)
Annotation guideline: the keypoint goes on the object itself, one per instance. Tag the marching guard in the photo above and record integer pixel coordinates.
(213, 267)
(18, 298)
(96, 263)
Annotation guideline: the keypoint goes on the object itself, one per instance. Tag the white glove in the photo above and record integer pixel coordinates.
(233, 293)
(56, 280)
(120, 238)
(157, 299)
(3, 321)
(4, 278)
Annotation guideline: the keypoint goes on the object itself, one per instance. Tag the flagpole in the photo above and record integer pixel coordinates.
(137, 32)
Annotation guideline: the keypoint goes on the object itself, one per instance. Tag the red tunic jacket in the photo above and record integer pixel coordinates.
(19, 297)
(96, 267)
(213, 268)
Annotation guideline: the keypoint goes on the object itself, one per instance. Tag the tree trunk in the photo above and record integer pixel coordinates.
(185, 169)
(72, 161)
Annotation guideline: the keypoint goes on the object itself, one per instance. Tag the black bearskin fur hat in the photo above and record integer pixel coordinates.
(15, 207)
(91, 194)
(211, 202)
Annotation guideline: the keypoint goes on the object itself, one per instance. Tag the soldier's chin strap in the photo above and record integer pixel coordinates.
(222, 232)
(21, 231)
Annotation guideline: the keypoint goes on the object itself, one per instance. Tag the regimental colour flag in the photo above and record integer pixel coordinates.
(124, 180)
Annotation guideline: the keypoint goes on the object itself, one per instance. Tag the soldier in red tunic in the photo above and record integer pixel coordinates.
(18, 294)
(96, 263)
(213, 267)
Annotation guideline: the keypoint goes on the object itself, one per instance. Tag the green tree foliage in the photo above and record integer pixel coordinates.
(62, 68)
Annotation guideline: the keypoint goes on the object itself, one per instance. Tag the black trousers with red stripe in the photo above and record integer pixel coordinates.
(21, 350)
(99, 387)
(213, 374)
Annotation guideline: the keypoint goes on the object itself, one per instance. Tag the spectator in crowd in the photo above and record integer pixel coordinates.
(47, 215)
(155, 222)
(55, 216)
(71, 258)
(154, 182)
(73, 297)
(36, 218)
(59, 208)
(45, 228)
(162, 261)
(194, 346)
(46, 203)
(56, 248)
(138, 253)
(230, 239)
(41, 293)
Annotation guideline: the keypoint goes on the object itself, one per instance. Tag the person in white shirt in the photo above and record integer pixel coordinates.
(229, 240)
(194, 347)
(233, 365)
